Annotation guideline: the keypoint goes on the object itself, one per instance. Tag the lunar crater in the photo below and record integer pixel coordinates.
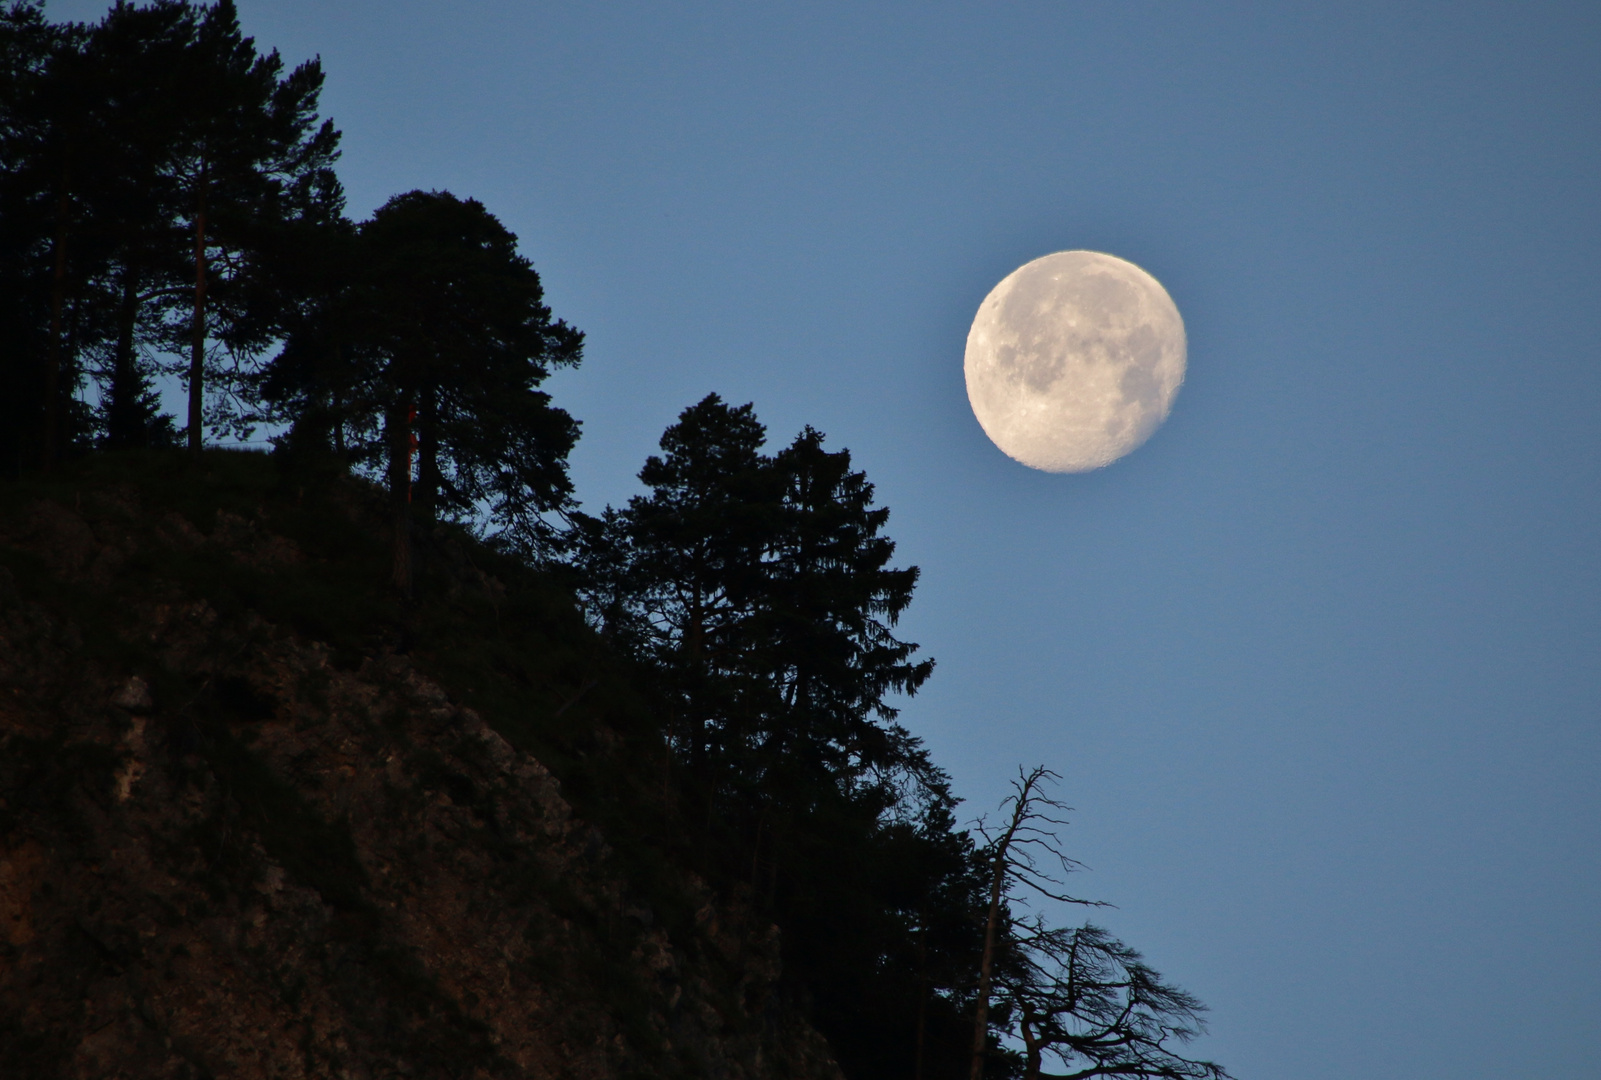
(1074, 360)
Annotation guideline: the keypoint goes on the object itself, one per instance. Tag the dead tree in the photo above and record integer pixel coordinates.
(1085, 999)
(1024, 858)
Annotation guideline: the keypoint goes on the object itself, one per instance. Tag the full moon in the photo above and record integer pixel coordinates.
(1074, 360)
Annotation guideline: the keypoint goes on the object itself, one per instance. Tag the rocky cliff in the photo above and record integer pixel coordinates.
(258, 818)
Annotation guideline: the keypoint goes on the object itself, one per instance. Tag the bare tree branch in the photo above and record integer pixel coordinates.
(1077, 996)
(1082, 997)
(1016, 854)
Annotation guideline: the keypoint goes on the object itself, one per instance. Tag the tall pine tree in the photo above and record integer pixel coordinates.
(49, 131)
(151, 166)
(247, 153)
(759, 588)
(135, 53)
(424, 366)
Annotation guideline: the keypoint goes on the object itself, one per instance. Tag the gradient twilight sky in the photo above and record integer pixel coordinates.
(1321, 662)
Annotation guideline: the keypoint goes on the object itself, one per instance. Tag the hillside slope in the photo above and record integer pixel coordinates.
(257, 818)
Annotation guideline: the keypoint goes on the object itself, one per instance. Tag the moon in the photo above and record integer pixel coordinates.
(1074, 360)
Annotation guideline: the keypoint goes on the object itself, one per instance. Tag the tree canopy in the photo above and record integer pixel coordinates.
(422, 359)
(152, 164)
(760, 586)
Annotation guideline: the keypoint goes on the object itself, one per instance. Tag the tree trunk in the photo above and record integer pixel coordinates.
(756, 848)
(1021, 810)
(123, 426)
(1031, 1070)
(52, 373)
(922, 994)
(694, 647)
(397, 429)
(981, 1015)
(426, 501)
(772, 873)
(339, 404)
(197, 343)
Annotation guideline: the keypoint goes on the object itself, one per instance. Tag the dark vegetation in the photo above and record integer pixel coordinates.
(168, 207)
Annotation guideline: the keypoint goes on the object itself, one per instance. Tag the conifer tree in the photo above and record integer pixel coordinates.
(697, 544)
(26, 42)
(424, 365)
(759, 588)
(765, 583)
(151, 163)
(323, 381)
(47, 128)
(831, 601)
(458, 319)
(247, 152)
(135, 53)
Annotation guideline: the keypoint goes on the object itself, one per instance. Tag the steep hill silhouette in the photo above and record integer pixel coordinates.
(260, 817)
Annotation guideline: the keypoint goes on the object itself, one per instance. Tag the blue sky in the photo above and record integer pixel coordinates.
(1320, 661)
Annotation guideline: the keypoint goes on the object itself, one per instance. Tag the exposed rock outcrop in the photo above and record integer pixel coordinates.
(223, 853)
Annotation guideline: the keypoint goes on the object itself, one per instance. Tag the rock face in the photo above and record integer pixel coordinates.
(223, 854)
